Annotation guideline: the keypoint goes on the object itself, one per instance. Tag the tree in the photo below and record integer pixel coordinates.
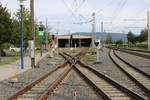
(131, 37)
(5, 27)
(143, 36)
(109, 39)
(119, 42)
(15, 36)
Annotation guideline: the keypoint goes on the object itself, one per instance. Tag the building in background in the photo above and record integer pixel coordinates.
(62, 41)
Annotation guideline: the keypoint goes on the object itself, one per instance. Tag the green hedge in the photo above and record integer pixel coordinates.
(143, 46)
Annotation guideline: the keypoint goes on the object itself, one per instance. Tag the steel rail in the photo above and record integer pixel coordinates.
(135, 79)
(144, 73)
(142, 51)
(52, 86)
(98, 90)
(93, 85)
(134, 53)
(113, 82)
(32, 84)
(108, 79)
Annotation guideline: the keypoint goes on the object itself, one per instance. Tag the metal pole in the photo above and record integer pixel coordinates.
(46, 33)
(148, 27)
(93, 29)
(102, 30)
(32, 30)
(21, 37)
(41, 45)
(123, 39)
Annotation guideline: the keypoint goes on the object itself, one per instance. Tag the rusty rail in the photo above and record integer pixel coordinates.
(108, 79)
(54, 85)
(32, 84)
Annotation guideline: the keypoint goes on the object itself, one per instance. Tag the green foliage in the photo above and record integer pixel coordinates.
(6, 26)
(5, 45)
(131, 37)
(140, 38)
(37, 38)
(143, 36)
(16, 33)
(119, 42)
(109, 39)
(142, 46)
(26, 27)
(10, 28)
(50, 41)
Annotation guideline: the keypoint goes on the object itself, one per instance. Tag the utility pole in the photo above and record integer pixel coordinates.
(46, 34)
(102, 28)
(41, 34)
(93, 29)
(148, 27)
(123, 39)
(32, 31)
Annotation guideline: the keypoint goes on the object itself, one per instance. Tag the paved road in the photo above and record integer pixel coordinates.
(13, 68)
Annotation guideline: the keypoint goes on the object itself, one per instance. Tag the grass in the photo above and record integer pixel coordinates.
(139, 49)
(139, 46)
(16, 56)
(8, 60)
(88, 58)
(11, 58)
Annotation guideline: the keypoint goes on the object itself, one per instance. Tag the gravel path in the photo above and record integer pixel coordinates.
(139, 62)
(7, 88)
(109, 68)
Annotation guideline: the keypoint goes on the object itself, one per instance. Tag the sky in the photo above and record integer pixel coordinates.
(66, 16)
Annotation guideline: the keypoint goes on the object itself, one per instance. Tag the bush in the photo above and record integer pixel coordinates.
(142, 46)
(5, 45)
(2, 53)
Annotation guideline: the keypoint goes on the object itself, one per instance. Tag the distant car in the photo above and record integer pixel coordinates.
(14, 49)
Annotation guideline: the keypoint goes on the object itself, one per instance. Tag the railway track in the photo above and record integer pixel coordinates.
(141, 78)
(132, 65)
(140, 51)
(134, 52)
(35, 89)
(40, 88)
(54, 84)
(74, 87)
(104, 85)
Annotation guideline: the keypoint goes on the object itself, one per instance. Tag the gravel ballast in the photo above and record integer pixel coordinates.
(139, 62)
(8, 88)
(71, 84)
(109, 68)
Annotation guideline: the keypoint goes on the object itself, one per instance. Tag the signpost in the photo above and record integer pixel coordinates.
(41, 33)
(98, 47)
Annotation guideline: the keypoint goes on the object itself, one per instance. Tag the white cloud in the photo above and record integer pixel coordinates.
(55, 10)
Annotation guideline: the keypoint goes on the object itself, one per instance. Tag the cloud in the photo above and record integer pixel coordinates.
(106, 10)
